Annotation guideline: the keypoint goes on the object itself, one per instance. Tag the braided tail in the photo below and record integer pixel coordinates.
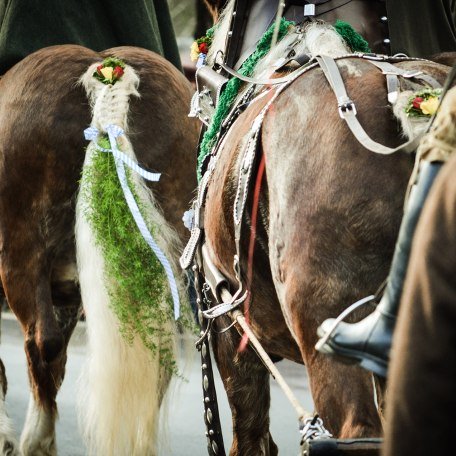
(128, 369)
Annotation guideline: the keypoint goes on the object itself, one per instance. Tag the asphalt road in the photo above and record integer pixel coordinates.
(185, 414)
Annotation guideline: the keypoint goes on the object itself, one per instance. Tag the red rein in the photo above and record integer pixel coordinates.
(256, 200)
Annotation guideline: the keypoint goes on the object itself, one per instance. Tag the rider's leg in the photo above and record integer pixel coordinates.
(423, 356)
(368, 342)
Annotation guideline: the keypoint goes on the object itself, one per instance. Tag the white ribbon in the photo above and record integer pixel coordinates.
(114, 132)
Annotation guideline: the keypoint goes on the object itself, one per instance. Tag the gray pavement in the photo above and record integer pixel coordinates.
(185, 435)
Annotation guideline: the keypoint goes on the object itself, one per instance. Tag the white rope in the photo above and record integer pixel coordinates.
(302, 414)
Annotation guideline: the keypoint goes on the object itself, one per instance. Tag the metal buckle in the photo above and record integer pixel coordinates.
(346, 105)
(309, 9)
(371, 56)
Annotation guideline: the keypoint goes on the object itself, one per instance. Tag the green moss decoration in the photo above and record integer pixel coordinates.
(353, 39)
(232, 88)
(137, 283)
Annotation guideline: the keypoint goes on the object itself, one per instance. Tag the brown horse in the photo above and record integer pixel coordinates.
(329, 212)
(43, 112)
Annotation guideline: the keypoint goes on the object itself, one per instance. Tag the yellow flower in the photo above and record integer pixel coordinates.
(107, 72)
(429, 106)
(194, 51)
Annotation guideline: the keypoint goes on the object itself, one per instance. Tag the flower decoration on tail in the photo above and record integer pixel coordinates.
(110, 71)
(423, 103)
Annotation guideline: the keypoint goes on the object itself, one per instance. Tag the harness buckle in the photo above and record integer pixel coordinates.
(346, 106)
(371, 56)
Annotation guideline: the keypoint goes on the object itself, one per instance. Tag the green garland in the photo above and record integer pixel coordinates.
(353, 39)
(137, 283)
(232, 88)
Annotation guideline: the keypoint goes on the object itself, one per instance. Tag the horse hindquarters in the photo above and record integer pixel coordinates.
(39, 163)
(334, 213)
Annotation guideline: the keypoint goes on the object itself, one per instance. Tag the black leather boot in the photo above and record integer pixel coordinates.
(368, 342)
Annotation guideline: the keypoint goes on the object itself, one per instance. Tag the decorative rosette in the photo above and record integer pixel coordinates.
(423, 103)
(110, 71)
(200, 48)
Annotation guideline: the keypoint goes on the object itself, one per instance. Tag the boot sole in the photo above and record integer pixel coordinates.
(350, 357)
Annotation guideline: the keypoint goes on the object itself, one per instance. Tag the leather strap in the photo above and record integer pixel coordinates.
(236, 34)
(261, 16)
(215, 446)
(198, 221)
(392, 72)
(347, 111)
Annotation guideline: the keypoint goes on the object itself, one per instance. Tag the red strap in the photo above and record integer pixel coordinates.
(256, 201)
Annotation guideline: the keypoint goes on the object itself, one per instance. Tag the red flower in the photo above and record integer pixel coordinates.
(416, 103)
(99, 67)
(118, 72)
(203, 47)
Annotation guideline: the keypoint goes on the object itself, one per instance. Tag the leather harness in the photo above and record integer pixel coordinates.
(214, 297)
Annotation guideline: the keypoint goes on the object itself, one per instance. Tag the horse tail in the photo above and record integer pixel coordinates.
(124, 381)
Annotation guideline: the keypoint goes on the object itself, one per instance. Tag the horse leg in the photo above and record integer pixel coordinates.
(28, 290)
(40, 421)
(343, 395)
(246, 382)
(347, 406)
(38, 436)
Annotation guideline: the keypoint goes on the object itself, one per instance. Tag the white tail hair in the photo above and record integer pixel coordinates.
(124, 382)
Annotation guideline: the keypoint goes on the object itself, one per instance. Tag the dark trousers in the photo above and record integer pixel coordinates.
(421, 400)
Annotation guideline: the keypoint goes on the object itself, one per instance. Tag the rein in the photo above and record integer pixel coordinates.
(256, 201)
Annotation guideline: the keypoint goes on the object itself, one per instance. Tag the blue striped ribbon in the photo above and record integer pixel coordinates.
(92, 133)
(114, 132)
